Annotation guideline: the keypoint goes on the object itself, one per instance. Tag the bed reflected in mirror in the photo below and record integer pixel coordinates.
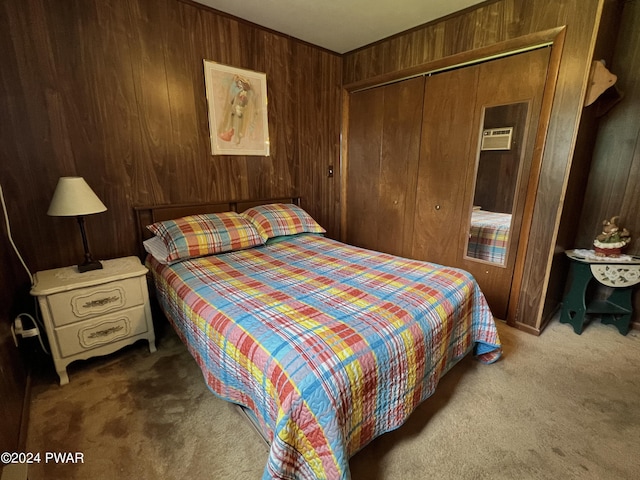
(499, 159)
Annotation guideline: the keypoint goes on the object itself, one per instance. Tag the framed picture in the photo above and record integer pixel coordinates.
(237, 102)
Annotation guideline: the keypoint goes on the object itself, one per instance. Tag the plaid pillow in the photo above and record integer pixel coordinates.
(281, 219)
(200, 235)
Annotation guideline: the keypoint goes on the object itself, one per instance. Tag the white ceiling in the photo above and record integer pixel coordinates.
(339, 25)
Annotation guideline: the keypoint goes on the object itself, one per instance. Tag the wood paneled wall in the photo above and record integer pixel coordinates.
(13, 380)
(488, 24)
(113, 90)
(614, 182)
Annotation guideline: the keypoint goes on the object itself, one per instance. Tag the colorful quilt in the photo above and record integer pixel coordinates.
(489, 235)
(327, 344)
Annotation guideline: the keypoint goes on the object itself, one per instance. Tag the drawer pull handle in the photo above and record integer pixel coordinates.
(106, 332)
(101, 302)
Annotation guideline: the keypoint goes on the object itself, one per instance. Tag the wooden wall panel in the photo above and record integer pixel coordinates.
(615, 171)
(318, 84)
(486, 25)
(113, 90)
(612, 187)
(13, 380)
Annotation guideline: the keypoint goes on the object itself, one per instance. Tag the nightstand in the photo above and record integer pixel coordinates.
(94, 313)
(620, 274)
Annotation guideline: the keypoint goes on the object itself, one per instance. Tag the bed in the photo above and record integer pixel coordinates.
(327, 345)
(489, 235)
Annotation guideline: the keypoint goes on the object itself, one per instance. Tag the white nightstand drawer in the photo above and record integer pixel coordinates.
(101, 331)
(85, 303)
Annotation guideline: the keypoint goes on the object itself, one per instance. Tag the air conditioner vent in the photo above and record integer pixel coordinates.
(497, 138)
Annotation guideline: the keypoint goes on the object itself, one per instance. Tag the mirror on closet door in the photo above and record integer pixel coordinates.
(499, 158)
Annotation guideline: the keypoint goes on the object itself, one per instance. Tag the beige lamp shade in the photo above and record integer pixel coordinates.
(74, 197)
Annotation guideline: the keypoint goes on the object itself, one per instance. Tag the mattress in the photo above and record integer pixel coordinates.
(328, 345)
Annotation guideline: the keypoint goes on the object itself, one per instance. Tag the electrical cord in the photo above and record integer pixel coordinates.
(6, 221)
(37, 324)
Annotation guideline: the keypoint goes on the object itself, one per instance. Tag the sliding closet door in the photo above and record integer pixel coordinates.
(509, 96)
(415, 170)
(383, 148)
(446, 142)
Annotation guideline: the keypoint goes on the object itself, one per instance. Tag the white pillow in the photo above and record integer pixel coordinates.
(156, 247)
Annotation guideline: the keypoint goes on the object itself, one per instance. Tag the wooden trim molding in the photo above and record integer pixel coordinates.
(534, 176)
(508, 47)
(344, 146)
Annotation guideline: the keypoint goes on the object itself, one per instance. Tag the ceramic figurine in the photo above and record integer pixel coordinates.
(612, 239)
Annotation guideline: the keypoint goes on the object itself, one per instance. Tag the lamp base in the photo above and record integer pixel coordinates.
(88, 266)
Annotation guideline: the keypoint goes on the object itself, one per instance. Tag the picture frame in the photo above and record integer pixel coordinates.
(237, 108)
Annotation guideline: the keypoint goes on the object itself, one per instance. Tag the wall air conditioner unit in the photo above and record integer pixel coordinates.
(496, 138)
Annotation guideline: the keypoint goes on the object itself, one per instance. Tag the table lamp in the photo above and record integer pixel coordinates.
(73, 197)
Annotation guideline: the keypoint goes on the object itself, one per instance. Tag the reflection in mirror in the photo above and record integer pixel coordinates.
(501, 148)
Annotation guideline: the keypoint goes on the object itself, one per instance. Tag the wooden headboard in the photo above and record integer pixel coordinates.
(148, 214)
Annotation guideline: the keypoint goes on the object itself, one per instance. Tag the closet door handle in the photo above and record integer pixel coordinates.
(437, 207)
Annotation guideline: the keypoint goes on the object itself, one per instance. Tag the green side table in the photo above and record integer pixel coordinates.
(621, 274)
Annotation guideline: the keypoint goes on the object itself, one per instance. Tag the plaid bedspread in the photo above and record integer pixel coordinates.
(489, 235)
(328, 345)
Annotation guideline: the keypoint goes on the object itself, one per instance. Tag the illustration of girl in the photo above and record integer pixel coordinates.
(234, 121)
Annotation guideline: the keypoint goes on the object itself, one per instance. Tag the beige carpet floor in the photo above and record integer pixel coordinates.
(558, 406)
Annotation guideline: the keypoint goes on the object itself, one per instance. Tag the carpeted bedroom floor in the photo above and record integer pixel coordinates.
(558, 406)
